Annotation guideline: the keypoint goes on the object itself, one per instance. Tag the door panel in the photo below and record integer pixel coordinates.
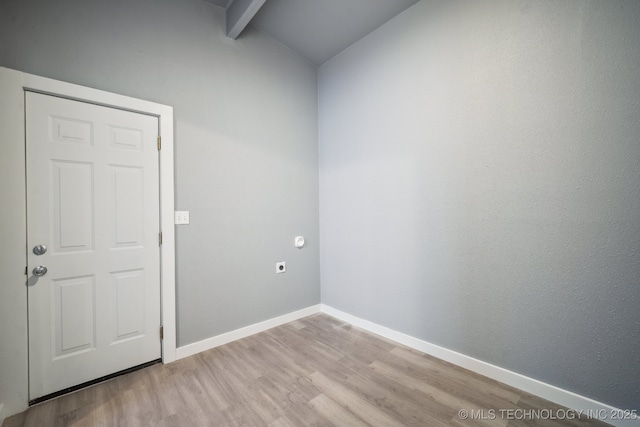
(128, 294)
(93, 200)
(75, 320)
(72, 214)
(127, 189)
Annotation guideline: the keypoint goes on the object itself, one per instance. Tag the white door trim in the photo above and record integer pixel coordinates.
(165, 118)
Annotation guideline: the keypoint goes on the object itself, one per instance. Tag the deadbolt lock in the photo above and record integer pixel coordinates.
(40, 249)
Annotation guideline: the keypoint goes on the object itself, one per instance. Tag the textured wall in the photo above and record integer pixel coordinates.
(246, 140)
(480, 185)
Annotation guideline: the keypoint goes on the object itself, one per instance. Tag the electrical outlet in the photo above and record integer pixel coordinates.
(281, 267)
(181, 217)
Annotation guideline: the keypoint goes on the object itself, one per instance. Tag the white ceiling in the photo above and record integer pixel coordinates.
(320, 29)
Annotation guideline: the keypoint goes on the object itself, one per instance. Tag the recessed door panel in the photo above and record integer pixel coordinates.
(128, 305)
(128, 204)
(72, 215)
(125, 139)
(70, 130)
(74, 317)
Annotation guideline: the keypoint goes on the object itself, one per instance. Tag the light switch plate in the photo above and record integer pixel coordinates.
(181, 217)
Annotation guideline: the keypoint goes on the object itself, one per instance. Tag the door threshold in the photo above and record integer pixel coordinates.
(92, 382)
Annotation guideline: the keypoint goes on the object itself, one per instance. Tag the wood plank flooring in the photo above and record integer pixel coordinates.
(317, 371)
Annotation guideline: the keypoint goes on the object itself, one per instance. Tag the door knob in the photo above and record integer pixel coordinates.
(39, 270)
(39, 249)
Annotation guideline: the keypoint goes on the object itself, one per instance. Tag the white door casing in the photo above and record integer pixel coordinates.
(14, 381)
(93, 200)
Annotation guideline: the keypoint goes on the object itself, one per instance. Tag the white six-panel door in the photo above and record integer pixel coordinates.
(93, 201)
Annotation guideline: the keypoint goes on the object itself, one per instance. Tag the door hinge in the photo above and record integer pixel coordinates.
(161, 332)
(159, 143)
(160, 238)
(26, 271)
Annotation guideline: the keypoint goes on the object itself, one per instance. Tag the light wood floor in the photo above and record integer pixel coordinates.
(317, 371)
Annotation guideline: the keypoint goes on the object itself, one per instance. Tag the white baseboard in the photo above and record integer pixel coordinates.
(555, 394)
(218, 340)
(546, 391)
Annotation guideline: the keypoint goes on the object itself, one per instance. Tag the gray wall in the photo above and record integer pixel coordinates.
(480, 186)
(246, 140)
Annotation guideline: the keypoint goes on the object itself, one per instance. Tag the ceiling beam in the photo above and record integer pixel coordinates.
(239, 14)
